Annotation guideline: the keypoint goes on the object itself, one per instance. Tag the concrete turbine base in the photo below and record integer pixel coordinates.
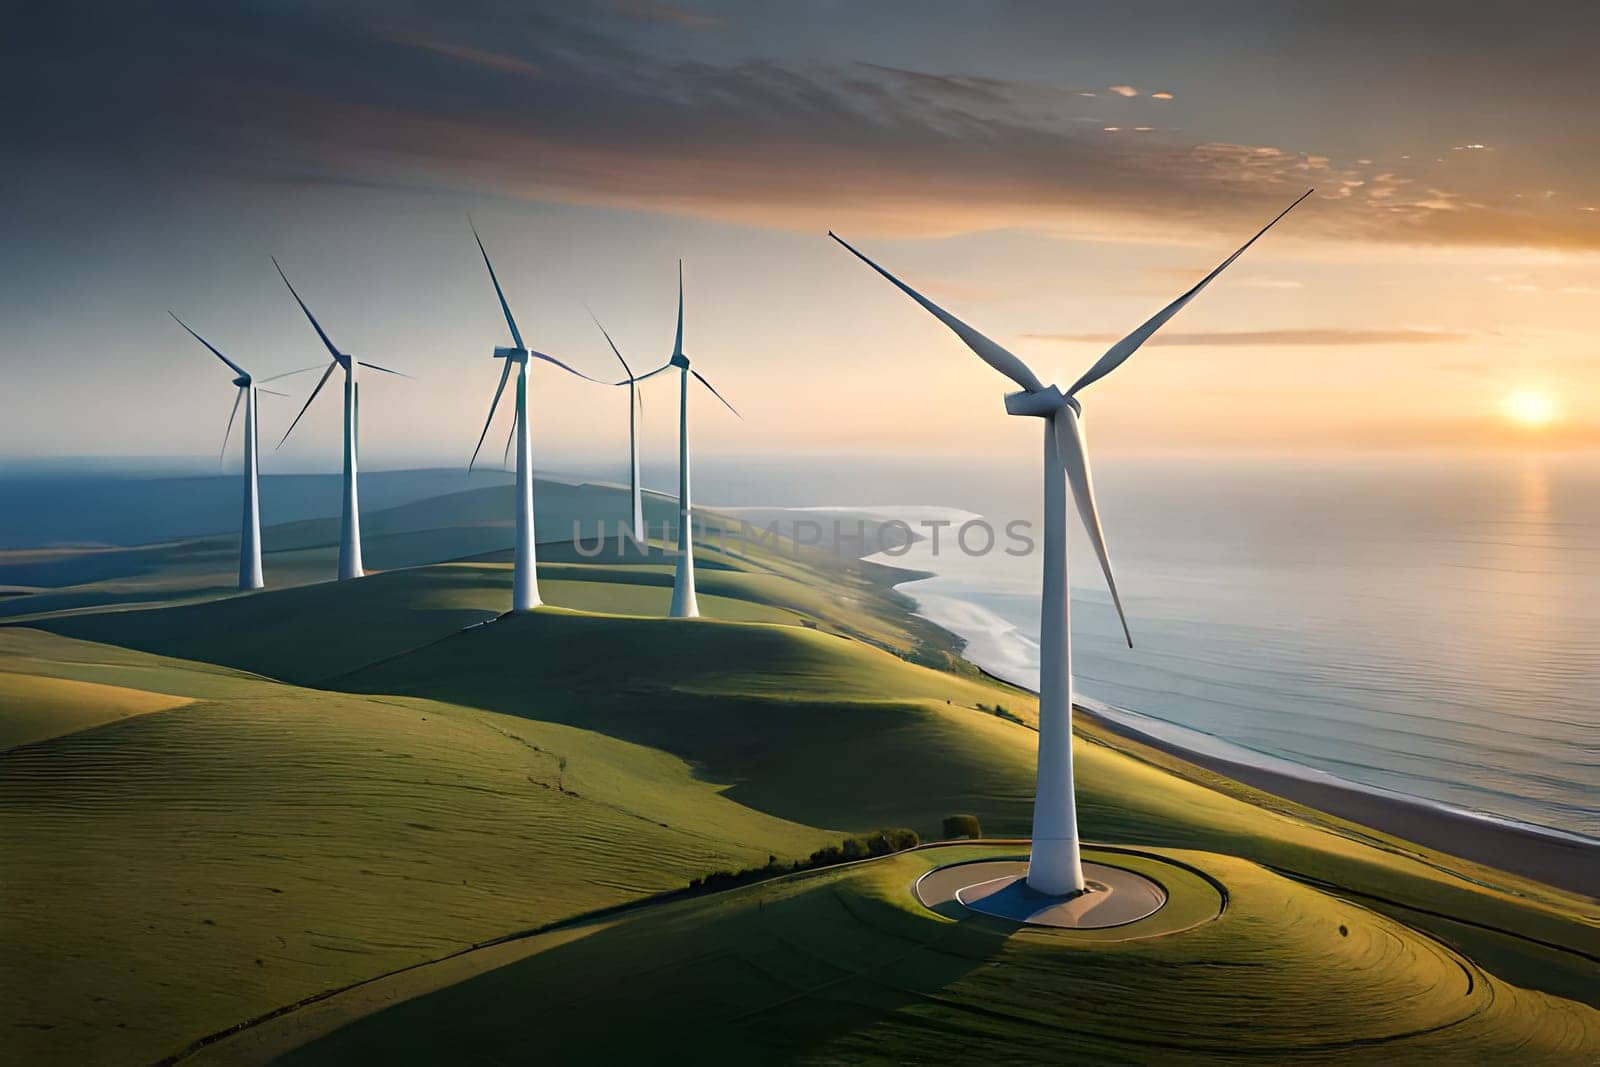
(1114, 896)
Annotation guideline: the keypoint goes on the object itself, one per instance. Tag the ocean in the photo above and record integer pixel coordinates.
(1424, 626)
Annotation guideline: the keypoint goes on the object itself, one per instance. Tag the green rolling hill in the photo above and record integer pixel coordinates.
(841, 966)
(215, 806)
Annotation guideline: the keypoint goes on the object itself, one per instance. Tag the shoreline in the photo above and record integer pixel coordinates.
(1551, 857)
(1554, 857)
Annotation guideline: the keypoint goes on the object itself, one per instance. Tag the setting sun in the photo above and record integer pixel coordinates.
(1530, 407)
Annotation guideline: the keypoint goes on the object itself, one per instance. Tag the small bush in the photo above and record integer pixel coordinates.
(860, 846)
(1000, 711)
(962, 826)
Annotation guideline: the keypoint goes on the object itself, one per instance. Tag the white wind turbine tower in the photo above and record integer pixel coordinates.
(1054, 867)
(684, 604)
(635, 409)
(524, 579)
(250, 528)
(350, 522)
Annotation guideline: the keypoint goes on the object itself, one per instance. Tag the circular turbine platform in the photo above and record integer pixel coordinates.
(1114, 896)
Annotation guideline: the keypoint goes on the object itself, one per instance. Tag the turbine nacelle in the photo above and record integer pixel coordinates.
(515, 353)
(679, 360)
(1040, 403)
(242, 381)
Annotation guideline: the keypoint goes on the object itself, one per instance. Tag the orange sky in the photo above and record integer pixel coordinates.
(1051, 181)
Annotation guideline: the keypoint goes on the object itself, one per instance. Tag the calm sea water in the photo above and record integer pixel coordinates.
(1422, 625)
(1425, 626)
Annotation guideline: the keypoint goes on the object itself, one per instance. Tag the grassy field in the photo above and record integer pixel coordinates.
(737, 571)
(225, 804)
(170, 874)
(842, 966)
(469, 523)
(34, 708)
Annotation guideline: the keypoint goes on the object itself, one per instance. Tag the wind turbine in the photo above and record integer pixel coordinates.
(635, 409)
(350, 522)
(250, 528)
(1054, 867)
(524, 578)
(684, 604)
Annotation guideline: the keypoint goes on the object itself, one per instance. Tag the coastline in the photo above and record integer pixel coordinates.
(1554, 857)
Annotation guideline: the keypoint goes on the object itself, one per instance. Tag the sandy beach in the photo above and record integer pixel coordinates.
(1558, 860)
(1567, 861)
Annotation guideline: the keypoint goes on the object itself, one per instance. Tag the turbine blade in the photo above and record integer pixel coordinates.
(1073, 447)
(338, 356)
(516, 335)
(291, 373)
(1118, 353)
(240, 371)
(386, 370)
(270, 392)
(238, 395)
(991, 353)
(505, 372)
(505, 458)
(320, 383)
(638, 396)
(646, 377)
(563, 366)
(677, 342)
(714, 392)
(625, 368)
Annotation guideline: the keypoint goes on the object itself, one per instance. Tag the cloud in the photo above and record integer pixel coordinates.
(289, 92)
(1123, 90)
(984, 90)
(1519, 283)
(467, 54)
(670, 14)
(1281, 338)
(1183, 276)
(1161, 96)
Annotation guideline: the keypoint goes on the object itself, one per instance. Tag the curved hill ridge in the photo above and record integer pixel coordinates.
(840, 967)
(370, 776)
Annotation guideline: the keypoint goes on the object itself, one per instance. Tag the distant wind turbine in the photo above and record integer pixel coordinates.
(250, 528)
(635, 409)
(350, 522)
(1054, 867)
(684, 604)
(524, 578)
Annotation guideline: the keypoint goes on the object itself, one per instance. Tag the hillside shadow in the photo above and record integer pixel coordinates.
(750, 708)
(762, 973)
(304, 635)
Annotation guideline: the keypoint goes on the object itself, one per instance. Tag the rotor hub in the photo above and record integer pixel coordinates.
(1039, 403)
